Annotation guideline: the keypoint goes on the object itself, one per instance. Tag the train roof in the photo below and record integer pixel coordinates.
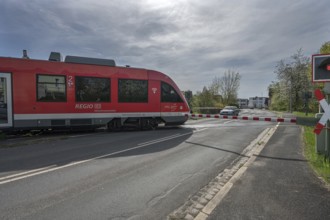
(56, 56)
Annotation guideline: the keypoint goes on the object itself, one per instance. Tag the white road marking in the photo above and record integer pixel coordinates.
(161, 139)
(81, 135)
(35, 172)
(24, 173)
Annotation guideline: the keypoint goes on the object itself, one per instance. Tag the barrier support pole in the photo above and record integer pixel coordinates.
(327, 128)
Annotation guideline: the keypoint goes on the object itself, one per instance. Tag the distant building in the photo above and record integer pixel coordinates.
(242, 103)
(258, 102)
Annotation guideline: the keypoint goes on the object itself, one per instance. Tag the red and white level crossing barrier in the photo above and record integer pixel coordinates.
(252, 118)
(326, 116)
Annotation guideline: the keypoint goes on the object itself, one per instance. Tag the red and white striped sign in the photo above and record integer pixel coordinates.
(252, 118)
(326, 116)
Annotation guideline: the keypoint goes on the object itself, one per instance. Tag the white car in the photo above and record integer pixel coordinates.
(230, 110)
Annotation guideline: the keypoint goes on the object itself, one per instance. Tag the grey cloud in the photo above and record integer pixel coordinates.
(192, 41)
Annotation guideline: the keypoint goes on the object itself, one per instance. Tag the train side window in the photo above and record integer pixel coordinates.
(130, 90)
(51, 88)
(169, 94)
(92, 89)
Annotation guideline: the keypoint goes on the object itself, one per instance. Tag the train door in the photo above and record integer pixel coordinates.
(6, 117)
(154, 95)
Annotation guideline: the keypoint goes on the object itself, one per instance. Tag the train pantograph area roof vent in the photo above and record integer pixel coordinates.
(88, 60)
(55, 56)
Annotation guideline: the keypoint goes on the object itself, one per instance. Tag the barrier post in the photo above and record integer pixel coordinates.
(320, 138)
(327, 130)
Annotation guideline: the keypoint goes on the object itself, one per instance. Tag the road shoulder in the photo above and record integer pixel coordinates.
(202, 204)
(278, 185)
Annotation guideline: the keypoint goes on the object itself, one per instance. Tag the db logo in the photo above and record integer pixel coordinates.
(326, 116)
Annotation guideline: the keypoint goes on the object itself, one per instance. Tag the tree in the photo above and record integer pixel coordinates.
(276, 95)
(203, 99)
(293, 82)
(189, 97)
(222, 91)
(226, 86)
(325, 48)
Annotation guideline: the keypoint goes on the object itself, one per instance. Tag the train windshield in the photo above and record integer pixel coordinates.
(169, 94)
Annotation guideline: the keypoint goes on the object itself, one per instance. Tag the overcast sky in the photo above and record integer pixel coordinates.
(192, 41)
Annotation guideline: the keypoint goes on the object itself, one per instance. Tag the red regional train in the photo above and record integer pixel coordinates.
(85, 92)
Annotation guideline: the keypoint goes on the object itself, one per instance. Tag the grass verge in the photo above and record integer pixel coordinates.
(317, 161)
(303, 114)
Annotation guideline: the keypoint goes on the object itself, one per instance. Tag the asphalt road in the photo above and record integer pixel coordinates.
(123, 175)
(279, 184)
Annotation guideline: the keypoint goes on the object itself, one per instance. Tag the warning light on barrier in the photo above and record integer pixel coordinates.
(321, 68)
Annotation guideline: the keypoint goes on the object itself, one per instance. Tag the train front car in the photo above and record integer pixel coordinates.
(83, 92)
(174, 108)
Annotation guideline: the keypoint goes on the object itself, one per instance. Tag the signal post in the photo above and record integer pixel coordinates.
(321, 74)
(327, 134)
